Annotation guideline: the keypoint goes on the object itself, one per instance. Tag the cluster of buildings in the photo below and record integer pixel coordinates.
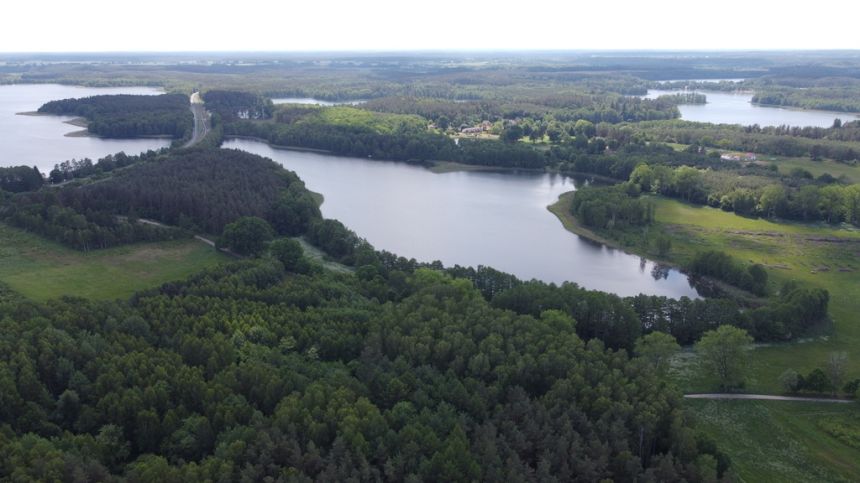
(480, 128)
(738, 157)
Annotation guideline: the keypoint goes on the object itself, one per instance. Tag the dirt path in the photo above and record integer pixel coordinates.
(766, 397)
(198, 237)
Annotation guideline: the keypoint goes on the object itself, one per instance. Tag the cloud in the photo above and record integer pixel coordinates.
(161, 25)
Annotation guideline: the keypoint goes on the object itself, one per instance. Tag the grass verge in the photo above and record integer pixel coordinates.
(783, 441)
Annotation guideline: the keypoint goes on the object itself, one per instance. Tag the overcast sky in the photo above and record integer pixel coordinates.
(288, 25)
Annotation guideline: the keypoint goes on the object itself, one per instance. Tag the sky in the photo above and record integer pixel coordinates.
(389, 25)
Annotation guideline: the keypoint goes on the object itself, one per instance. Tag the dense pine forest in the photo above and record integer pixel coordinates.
(123, 116)
(303, 353)
(248, 372)
(273, 368)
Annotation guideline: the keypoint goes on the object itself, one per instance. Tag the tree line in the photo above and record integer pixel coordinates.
(795, 197)
(610, 207)
(83, 168)
(17, 179)
(232, 105)
(200, 189)
(82, 229)
(751, 139)
(123, 115)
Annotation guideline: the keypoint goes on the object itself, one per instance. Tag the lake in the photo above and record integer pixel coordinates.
(737, 108)
(468, 218)
(40, 141)
(310, 100)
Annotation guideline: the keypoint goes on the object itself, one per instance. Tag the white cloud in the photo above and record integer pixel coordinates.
(176, 25)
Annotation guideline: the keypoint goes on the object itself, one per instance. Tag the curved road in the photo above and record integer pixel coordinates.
(201, 120)
(766, 397)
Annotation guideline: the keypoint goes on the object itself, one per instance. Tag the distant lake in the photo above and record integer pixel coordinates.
(700, 80)
(469, 218)
(310, 100)
(40, 141)
(737, 108)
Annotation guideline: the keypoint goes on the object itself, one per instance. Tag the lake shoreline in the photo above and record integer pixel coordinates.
(571, 224)
(436, 166)
(561, 210)
(279, 146)
(480, 218)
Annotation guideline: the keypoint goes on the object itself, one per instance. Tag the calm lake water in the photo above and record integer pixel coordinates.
(737, 108)
(310, 100)
(468, 218)
(40, 141)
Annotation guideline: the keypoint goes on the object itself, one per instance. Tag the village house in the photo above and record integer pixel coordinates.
(738, 157)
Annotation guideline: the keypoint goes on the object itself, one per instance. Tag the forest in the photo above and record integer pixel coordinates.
(201, 189)
(814, 143)
(278, 366)
(316, 381)
(268, 367)
(125, 116)
(232, 105)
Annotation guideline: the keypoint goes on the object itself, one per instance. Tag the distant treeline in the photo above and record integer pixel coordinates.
(82, 168)
(232, 105)
(778, 141)
(833, 98)
(198, 189)
(353, 132)
(124, 116)
(45, 214)
(564, 107)
(684, 98)
(796, 197)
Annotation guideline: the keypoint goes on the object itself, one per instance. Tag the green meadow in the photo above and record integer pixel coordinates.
(769, 440)
(40, 269)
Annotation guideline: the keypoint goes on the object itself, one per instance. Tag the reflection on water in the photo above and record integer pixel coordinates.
(469, 218)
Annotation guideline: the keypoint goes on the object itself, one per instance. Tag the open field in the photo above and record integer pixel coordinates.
(40, 269)
(820, 255)
(817, 168)
(783, 441)
(786, 163)
(770, 440)
(817, 254)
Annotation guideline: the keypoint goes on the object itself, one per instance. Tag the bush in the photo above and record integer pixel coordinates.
(288, 252)
(246, 236)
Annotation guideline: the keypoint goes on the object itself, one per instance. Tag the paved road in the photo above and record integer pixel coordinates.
(201, 120)
(766, 397)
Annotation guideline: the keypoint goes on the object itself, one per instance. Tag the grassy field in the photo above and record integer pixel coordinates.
(40, 269)
(817, 168)
(782, 441)
(785, 164)
(769, 440)
(819, 255)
